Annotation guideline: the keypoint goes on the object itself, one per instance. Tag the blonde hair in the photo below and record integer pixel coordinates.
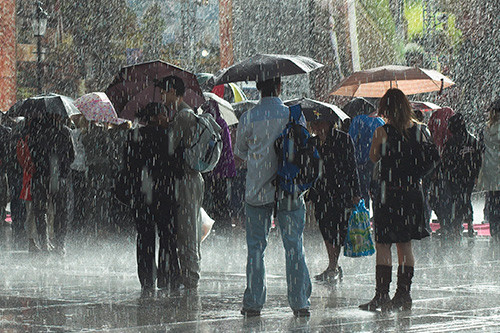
(396, 107)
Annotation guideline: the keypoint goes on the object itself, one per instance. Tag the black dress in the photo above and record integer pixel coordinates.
(399, 212)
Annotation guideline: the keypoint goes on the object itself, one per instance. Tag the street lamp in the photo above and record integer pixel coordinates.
(39, 25)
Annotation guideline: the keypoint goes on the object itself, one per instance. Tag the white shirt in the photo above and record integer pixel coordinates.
(257, 130)
(79, 161)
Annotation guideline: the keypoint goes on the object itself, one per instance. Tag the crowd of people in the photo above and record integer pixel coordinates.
(62, 173)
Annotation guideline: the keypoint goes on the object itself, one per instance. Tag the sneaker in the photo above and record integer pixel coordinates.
(250, 312)
(330, 275)
(301, 313)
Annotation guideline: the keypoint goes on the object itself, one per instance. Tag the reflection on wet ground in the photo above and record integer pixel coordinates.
(456, 288)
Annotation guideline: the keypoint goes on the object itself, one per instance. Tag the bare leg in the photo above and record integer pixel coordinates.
(405, 254)
(383, 254)
(333, 255)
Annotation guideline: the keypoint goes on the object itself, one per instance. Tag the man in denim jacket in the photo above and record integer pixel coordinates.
(257, 131)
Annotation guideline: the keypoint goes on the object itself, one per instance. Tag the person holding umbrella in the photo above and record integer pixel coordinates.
(182, 126)
(399, 215)
(151, 169)
(257, 131)
(52, 153)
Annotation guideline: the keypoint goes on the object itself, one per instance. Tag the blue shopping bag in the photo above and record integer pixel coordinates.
(358, 242)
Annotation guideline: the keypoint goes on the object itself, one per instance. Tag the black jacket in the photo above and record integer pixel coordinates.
(150, 165)
(339, 182)
(461, 161)
(50, 146)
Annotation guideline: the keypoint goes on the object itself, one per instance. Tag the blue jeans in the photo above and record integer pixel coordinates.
(291, 220)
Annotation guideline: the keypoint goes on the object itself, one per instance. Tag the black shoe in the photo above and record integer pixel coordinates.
(382, 301)
(147, 292)
(301, 313)
(401, 300)
(250, 312)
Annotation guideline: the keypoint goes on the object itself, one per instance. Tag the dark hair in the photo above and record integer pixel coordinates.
(172, 81)
(396, 107)
(151, 110)
(268, 88)
(456, 124)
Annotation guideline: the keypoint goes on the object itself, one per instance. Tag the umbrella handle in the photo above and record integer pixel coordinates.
(442, 86)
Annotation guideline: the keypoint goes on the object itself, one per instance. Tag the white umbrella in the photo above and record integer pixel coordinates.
(225, 108)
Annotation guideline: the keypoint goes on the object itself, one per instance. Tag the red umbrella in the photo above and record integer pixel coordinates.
(134, 87)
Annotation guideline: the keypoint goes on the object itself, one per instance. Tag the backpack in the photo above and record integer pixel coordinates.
(206, 146)
(298, 157)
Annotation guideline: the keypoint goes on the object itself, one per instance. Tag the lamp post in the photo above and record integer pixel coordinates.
(39, 25)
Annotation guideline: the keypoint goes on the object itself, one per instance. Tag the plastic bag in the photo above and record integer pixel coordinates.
(206, 223)
(358, 242)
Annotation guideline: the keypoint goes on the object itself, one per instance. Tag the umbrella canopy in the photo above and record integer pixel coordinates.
(225, 108)
(375, 82)
(316, 110)
(242, 107)
(359, 105)
(44, 104)
(262, 67)
(230, 92)
(424, 106)
(96, 106)
(206, 81)
(134, 87)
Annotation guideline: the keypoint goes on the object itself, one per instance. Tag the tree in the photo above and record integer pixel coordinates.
(152, 27)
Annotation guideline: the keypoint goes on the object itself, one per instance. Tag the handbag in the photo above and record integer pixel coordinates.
(358, 242)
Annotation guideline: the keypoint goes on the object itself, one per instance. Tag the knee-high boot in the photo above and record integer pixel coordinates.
(402, 299)
(383, 275)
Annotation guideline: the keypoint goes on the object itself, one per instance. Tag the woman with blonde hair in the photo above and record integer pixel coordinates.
(399, 212)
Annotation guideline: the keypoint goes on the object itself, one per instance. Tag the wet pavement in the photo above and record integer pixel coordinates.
(95, 288)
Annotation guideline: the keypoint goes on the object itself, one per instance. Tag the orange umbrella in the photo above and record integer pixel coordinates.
(375, 82)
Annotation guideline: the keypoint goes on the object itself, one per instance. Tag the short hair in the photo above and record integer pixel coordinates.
(172, 81)
(268, 87)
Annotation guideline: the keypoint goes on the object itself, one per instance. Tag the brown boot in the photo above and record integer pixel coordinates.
(383, 276)
(402, 299)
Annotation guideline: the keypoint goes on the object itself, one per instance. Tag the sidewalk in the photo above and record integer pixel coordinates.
(456, 288)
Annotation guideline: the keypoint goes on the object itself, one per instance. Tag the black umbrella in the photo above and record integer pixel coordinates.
(262, 67)
(359, 105)
(316, 110)
(44, 104)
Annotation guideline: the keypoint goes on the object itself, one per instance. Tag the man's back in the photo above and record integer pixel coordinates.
(257, 131)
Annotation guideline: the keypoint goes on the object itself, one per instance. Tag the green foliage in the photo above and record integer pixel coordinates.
(413, 12)
(454, 33)
(380, 15)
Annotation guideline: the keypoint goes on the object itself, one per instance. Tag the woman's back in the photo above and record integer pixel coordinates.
(398, 157)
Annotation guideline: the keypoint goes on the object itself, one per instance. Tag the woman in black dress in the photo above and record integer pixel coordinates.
(399, 212)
